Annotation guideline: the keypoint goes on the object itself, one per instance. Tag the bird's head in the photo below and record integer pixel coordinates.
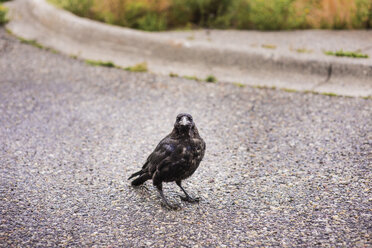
(184, 123)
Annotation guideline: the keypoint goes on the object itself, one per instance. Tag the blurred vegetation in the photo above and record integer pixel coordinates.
(211, 79)
(100, 63)
(157, 15)
(341, 53)
(141, 67)
(31, 42)
(195, 78)
(3, 12)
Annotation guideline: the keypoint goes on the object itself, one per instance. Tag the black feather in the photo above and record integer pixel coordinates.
(175, 158)
(135, 174)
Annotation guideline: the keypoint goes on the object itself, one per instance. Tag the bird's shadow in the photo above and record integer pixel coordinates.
(146, 194)
(142, 191)
(149, 195)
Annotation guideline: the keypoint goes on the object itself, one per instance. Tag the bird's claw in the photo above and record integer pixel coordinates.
(189, 199)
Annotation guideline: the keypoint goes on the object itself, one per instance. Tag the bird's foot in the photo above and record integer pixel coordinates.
(189, 199)
(143, 187)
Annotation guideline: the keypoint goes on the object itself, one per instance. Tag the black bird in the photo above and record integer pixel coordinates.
(175, 158)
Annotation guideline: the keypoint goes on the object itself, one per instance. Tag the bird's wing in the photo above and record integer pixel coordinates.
(162, 152)
(203, 148)
(200, 146)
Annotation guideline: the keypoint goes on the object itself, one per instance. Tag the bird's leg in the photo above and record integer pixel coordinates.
(160, 189)
(187, 198)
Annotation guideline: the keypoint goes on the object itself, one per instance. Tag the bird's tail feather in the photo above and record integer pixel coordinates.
(140, 180)
(136, 174)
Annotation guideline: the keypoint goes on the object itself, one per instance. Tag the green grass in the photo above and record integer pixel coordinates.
(303, 50)
(225, 14)
(268, 46)
(3, 12)
(173, 74)
(289, 90)
(322, 93)
(34, 43)
(31, 42)
(239, 84)
(192, 78)
(264, 87)
(329, 94)
(341, 53)
(211, 79)
(304, 91)
(100, 63)
(141, 67)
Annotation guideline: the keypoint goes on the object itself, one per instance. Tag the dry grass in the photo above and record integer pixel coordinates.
(335, 14)
(119, 7)
(332, 13)
(153, 15)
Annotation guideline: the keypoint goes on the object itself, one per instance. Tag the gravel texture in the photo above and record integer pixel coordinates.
(281, 169)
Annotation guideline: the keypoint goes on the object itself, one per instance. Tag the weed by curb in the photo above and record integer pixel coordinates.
(268, 46)
(302, 50)
(141, 67)
(211, 79)
(100, 63)
(192, 78)
(171, 74)
(239, 84)
(33, 43)
(341, 53)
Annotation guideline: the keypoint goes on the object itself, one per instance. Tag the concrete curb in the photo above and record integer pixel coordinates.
(63, 31)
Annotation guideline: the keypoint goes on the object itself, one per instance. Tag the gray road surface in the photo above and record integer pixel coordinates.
(287, 59)
(281, 169)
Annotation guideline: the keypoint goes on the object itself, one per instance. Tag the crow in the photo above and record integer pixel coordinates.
(174, 159)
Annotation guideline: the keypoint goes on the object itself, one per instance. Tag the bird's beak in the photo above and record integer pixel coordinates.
(184, 121)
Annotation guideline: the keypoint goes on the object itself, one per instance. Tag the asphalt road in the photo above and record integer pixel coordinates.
(293, 60)
(281, 168)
